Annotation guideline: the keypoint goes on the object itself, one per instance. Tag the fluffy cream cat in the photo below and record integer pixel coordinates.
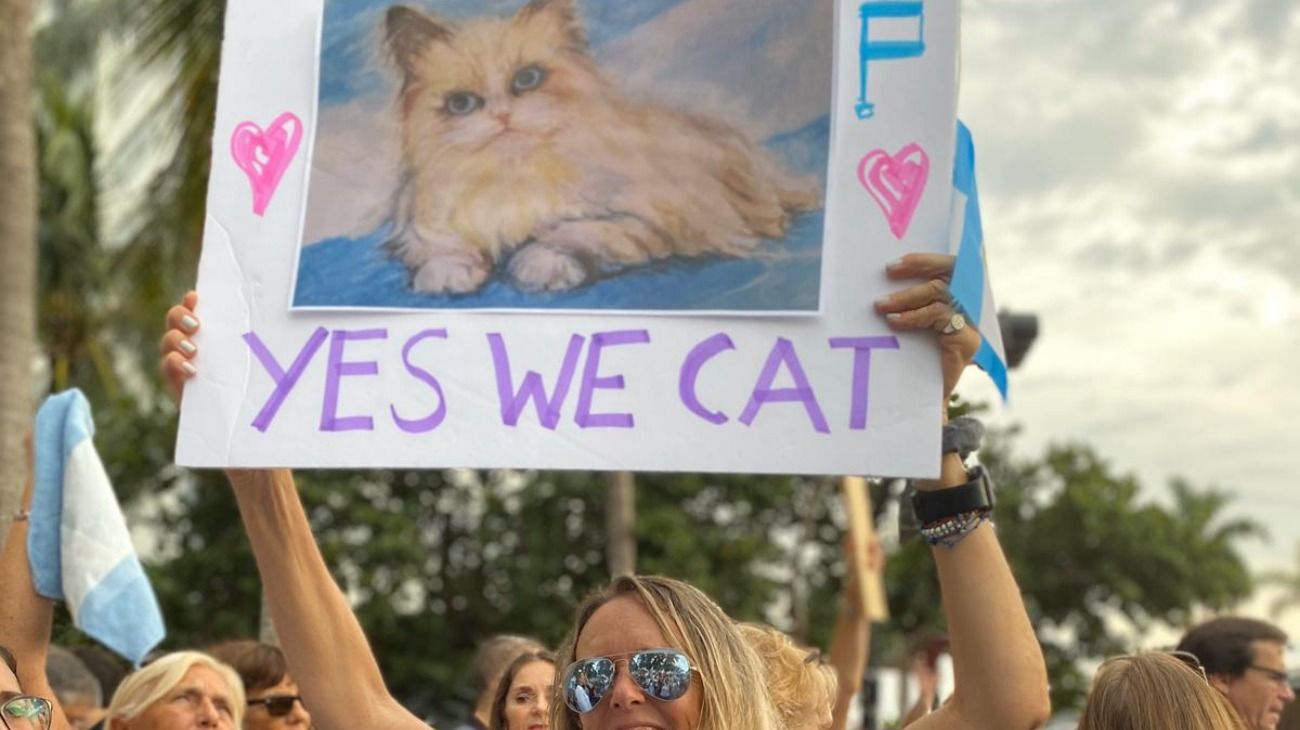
(517, 148)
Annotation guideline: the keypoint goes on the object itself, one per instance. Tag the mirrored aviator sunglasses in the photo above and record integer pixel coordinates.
(26, 713)
(663, 674)
(277, 706)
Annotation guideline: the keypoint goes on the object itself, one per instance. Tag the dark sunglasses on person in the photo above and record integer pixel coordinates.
(26, 713)
(277, 705)
(664, 674)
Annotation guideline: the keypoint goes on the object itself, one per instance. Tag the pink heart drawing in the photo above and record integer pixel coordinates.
(896, 182)
(264, 154)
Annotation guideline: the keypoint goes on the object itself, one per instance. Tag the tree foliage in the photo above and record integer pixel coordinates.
(1097, 560)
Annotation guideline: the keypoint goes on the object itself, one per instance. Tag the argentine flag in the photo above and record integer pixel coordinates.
(970, 285)
(78, 542)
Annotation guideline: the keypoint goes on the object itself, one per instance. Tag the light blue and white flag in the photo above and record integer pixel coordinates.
(970, 281)
(78, 542)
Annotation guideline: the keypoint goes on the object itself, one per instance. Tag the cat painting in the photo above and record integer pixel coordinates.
(520, 156)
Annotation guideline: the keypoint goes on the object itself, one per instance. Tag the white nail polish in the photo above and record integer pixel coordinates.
(894, 264)
(188, 368)
(893, 316)
(189, 323)
(188, 347)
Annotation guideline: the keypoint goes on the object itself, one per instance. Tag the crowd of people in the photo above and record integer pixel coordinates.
(644, 651)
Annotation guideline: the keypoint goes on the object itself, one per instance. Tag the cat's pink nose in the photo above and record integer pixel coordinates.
(502, 117)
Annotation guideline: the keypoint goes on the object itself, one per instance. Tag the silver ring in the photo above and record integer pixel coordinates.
(956, 323)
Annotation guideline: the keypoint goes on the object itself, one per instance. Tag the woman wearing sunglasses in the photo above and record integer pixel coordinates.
(523, 695)
(653, 651)
(19, 711)
(1156, 691)
(27, 702)
(642, 654)
(273, 700)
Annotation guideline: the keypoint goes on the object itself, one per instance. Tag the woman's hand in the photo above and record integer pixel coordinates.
(928, 306)
(176, 347)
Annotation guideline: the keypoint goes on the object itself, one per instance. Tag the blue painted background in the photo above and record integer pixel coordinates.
(358, 273)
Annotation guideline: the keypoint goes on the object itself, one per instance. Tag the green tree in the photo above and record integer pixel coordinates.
(435, 561)
(1091, 555)
(1288, 585)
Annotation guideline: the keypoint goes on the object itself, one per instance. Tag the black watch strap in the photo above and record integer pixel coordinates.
(933, 506)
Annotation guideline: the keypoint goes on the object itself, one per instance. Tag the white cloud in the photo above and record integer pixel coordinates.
(1140, 177)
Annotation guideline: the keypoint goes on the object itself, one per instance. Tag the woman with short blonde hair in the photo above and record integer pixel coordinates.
(179, 690)
(664, 654)
(1156, 691)
(802, 685)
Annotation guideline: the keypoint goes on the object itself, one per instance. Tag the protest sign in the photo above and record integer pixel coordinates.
(599, 234)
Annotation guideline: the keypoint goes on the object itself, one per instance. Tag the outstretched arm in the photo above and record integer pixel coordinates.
(26, 616)
(326, 649)
(1000, 674)
(927, 677)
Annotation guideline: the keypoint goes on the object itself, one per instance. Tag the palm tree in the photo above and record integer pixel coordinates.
(17, 249)
(180, 39)
(1288, 582)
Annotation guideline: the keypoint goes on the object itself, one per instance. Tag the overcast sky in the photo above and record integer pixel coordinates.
(1139, 172)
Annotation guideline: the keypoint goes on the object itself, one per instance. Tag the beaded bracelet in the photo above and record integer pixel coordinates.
(950, 531)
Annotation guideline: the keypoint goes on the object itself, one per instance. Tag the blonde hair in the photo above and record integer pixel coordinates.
(732, 677)
(1155, 691)
(802, 687)
(143, 687)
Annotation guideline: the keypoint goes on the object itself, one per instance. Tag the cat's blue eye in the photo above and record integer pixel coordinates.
(462, 103)
(527, 78)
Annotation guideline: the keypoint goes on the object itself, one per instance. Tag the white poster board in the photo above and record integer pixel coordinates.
(586, 370)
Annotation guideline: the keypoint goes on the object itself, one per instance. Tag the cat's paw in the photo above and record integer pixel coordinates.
(450, 274)
(541, 268)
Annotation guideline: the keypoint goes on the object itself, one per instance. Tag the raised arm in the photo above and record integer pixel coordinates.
(851, 643)
(1000, 674)
(326, 649)
(25, 616)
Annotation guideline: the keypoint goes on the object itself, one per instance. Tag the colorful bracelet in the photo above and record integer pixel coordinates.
(950, 531)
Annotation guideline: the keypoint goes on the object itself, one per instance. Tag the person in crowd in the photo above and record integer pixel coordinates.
(1244, 660)
(925, 670)
(649, 651)
(654, 650)
(19, 711)
(802, 685)
(272, 696)
(183, 690)
(851, 642)
(1291, 715)
(808, 692)
(493, 655)
(524, 693)
(76, 689)
(1156, 691)
(26, 621)
(108, 668)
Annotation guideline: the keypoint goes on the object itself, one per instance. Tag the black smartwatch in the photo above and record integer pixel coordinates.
(933, 506)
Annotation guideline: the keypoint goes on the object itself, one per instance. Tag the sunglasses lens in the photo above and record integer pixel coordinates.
(664, 675)
(280, 706)
(27, 713)
(586, 682)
